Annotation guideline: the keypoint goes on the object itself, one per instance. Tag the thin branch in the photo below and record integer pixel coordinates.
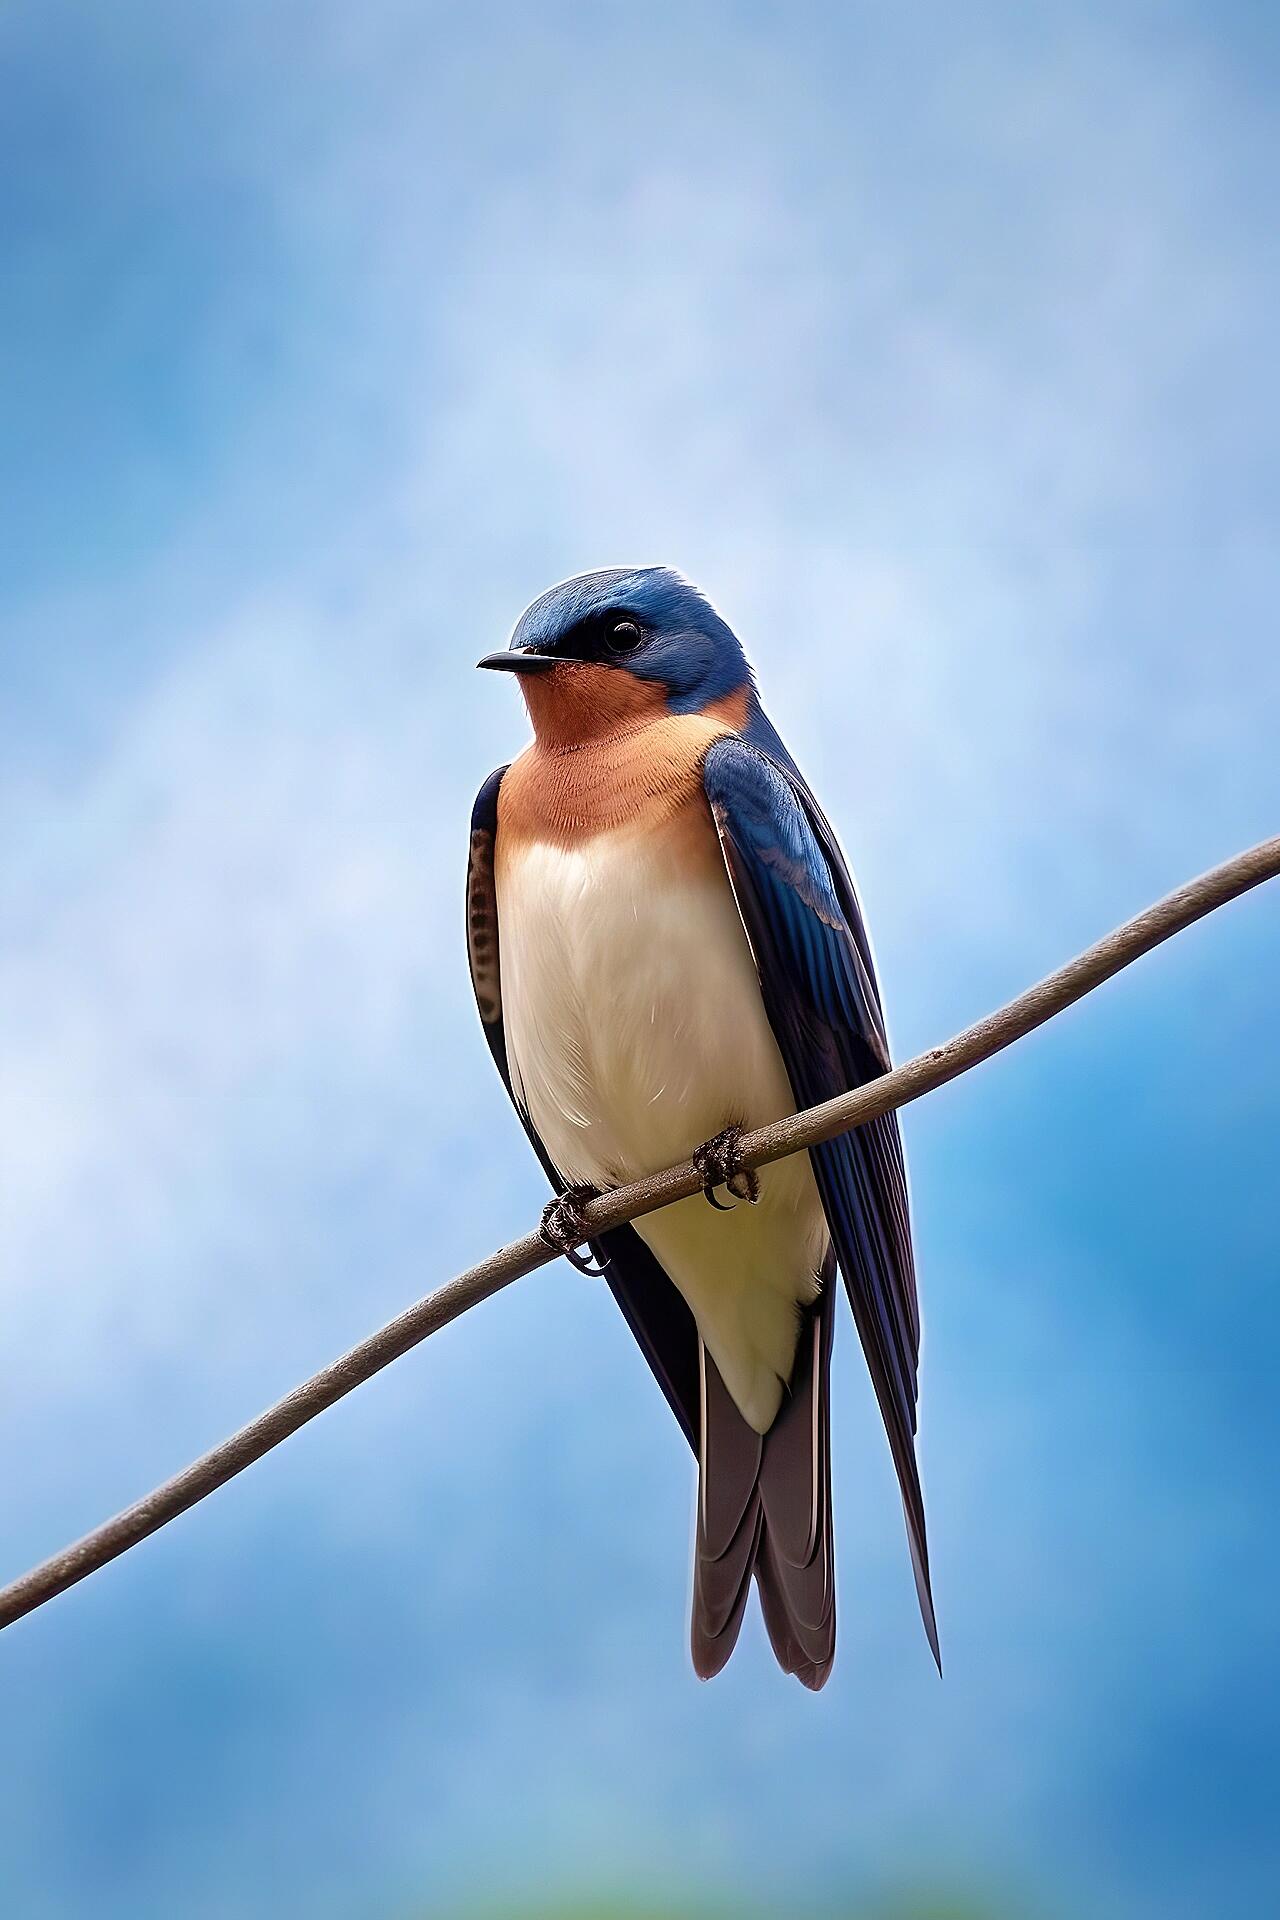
(792, 1135)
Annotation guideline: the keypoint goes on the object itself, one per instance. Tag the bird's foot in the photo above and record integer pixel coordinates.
(719, 1164)
(563, 1228)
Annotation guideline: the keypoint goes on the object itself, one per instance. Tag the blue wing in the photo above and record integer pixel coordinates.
(655, 1311)
(801, 914)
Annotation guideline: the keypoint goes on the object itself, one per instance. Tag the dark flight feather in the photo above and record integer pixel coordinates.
(803, 920)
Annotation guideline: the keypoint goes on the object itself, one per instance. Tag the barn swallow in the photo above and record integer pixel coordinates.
(667, 948)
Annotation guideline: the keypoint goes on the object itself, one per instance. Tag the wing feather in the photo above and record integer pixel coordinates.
(805, 925)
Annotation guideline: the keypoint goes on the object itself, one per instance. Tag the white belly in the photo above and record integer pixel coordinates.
(635, 1030)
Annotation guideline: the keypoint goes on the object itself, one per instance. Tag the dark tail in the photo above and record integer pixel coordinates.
(764, 1507)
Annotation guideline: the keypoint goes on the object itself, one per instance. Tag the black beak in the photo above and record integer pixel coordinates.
(520, 662)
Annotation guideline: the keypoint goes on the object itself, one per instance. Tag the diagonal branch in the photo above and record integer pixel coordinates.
(792, 1135)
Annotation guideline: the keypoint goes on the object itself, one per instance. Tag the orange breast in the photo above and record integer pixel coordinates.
(643, 776)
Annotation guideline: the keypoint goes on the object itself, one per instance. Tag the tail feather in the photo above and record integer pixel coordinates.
(726, 1492)
(764, 1507)
(720, 1595)
(730, 1523)
(805, 1651)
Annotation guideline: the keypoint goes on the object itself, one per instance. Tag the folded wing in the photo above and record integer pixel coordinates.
(802, 917)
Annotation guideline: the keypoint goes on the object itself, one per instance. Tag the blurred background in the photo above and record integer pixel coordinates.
(937, 343)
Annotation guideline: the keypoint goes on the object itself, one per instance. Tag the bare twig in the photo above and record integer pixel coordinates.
(792, 1135)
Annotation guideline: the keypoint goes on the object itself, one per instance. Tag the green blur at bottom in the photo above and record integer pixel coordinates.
(920, 1907)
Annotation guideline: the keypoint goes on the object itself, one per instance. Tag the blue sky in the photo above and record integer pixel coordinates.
(937, 344)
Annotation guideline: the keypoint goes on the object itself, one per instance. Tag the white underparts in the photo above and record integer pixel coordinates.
(635, 1030)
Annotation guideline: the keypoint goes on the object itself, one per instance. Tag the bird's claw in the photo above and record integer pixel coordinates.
(563, 1228)
(719, 1164)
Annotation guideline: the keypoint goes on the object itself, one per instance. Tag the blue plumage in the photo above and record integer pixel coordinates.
(689, 649)
(805, 926)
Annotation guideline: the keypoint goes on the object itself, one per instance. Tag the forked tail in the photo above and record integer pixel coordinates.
(764, 1507)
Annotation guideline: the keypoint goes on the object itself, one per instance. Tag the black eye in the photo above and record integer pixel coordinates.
(622, 635)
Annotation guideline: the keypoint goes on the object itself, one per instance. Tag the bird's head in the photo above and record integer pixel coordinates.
(606, 650)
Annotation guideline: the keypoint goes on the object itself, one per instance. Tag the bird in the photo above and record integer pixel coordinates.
(667, 948)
